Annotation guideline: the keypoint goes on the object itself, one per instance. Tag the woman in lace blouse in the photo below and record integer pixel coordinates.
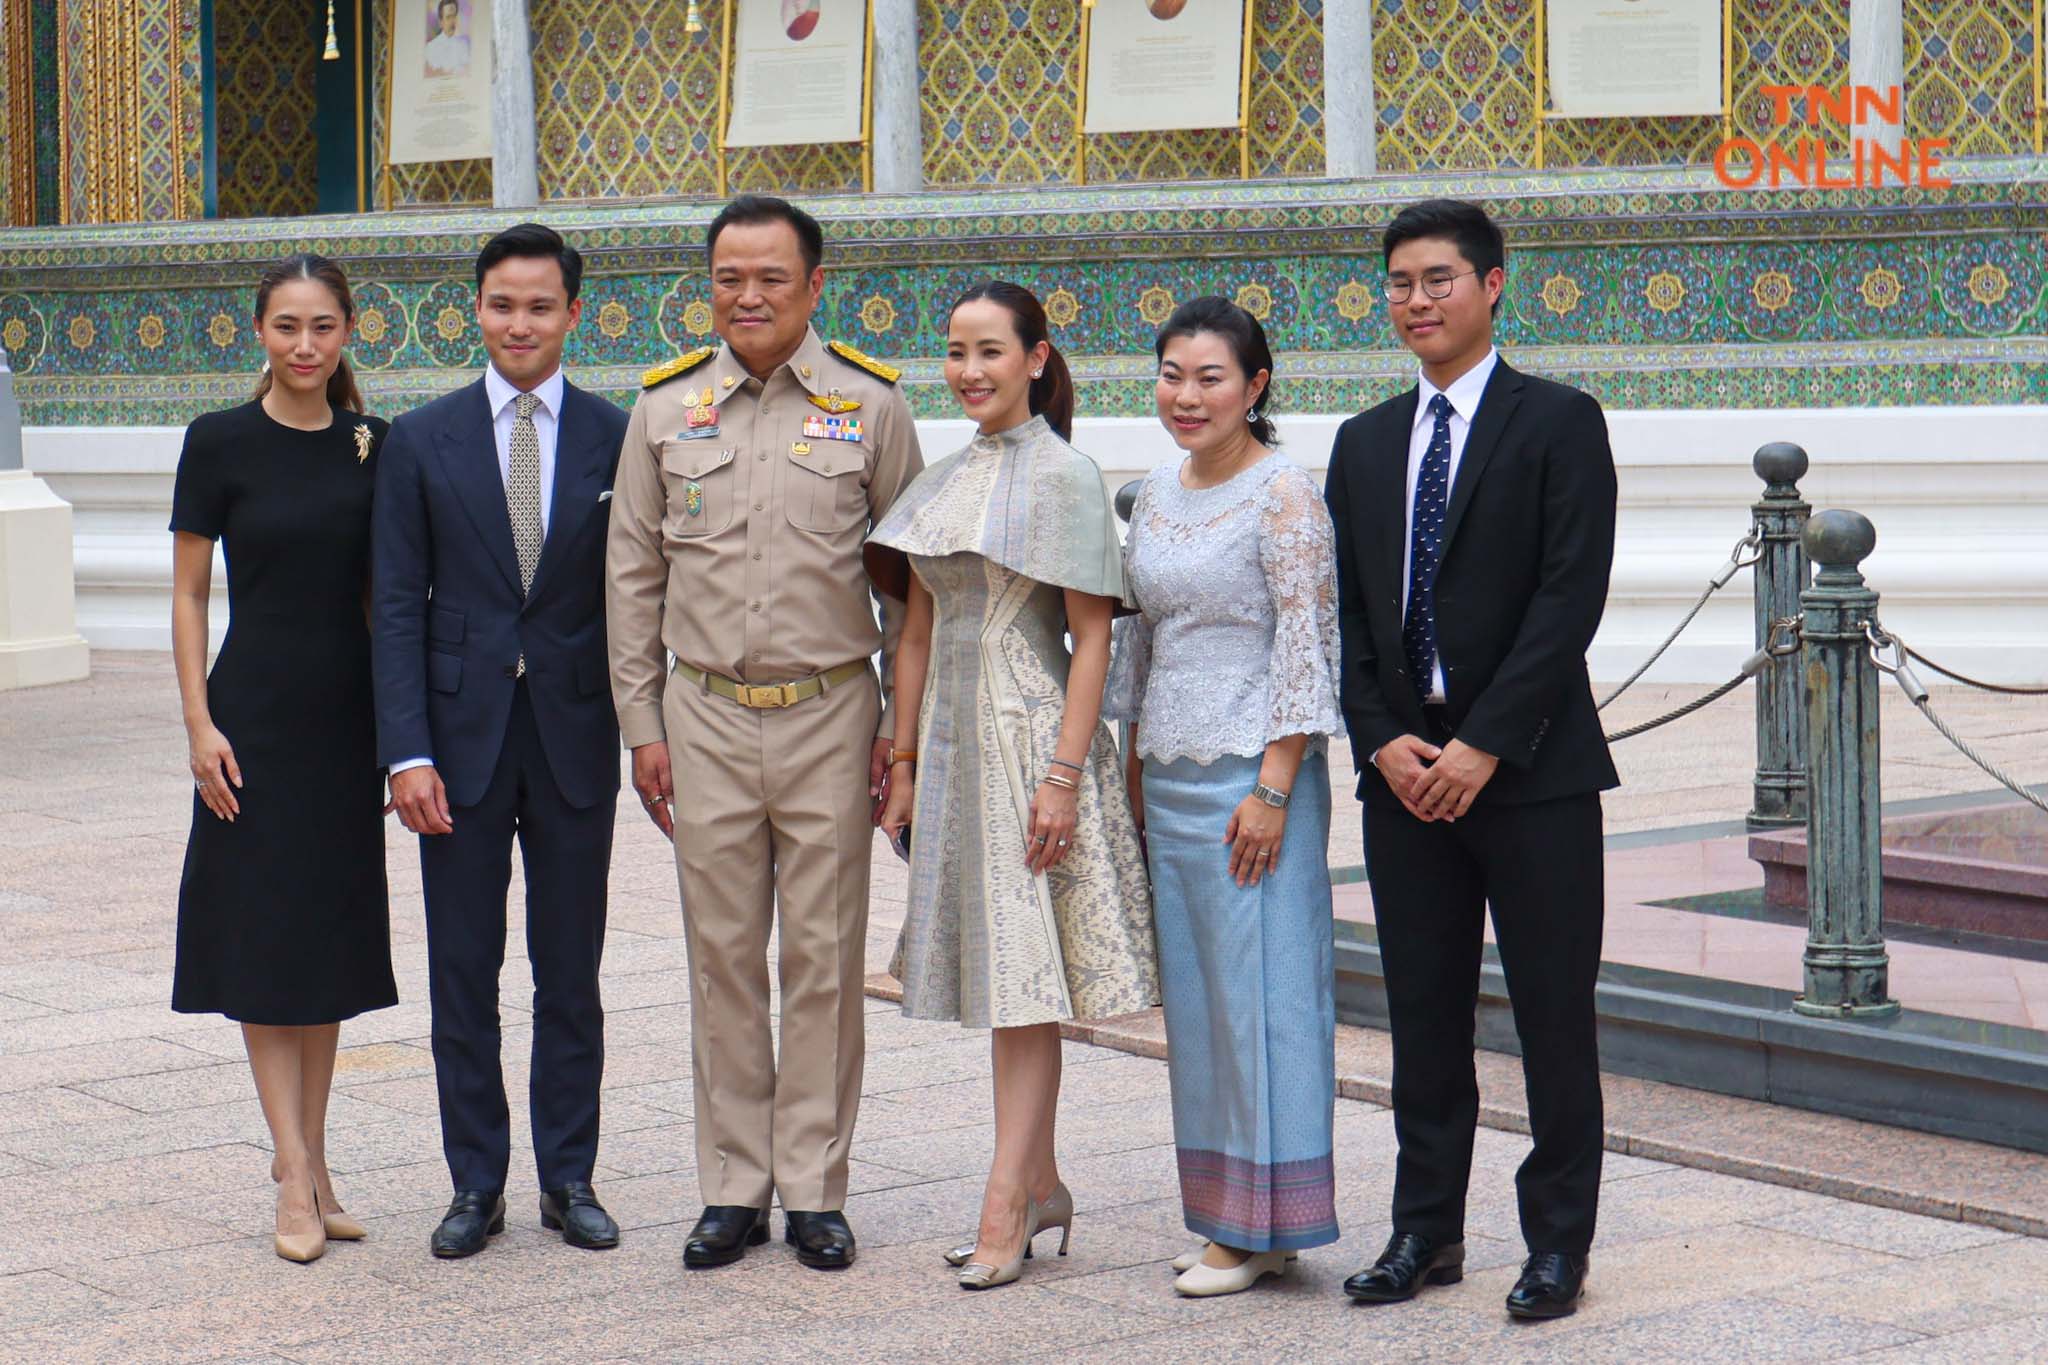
(1230, 675)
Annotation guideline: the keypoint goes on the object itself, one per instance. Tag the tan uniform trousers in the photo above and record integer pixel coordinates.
(772, 809)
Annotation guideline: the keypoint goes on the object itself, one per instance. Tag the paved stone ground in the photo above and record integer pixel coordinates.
(135, 1208)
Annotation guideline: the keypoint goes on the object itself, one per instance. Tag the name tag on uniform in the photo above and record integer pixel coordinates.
(698, 433)
(833, 428)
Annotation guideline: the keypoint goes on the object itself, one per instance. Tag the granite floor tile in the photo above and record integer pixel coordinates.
(1938, 1295)
(2015, 1339)
(71, 1065)
(1887, 1230)
(39, 1296)
(62, 1241)
(1745, 1329)
(1664, 1274)
(214, 1327)
(26, 1111)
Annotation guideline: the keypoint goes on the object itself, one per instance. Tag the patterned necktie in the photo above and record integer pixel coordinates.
(522, 488)
(1426, 548)
(522, 497)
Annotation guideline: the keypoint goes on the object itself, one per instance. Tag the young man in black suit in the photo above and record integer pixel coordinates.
(1475, 531)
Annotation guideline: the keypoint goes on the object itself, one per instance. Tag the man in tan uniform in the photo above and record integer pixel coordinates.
(749, 478)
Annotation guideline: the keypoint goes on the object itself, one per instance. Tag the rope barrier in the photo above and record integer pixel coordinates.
(1966, 681)
(1747, 551)
(1782, 643)
(1888, 654)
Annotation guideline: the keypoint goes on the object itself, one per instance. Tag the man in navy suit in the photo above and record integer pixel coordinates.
(1475, 532)
(494, 715)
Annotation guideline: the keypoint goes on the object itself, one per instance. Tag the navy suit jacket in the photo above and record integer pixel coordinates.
(1527, 546)
(448, 622)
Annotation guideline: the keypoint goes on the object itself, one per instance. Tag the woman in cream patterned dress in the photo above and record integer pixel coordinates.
(1028, 902)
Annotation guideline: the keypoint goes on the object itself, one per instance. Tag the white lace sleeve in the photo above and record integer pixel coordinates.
(1298, 555)
(1130, 663)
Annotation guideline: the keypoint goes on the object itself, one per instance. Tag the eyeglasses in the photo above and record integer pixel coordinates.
(1399, 288)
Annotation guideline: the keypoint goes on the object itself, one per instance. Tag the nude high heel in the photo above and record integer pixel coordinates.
(340, 1226)
(982, 1275)
(304, 1246)
(1056, 1211)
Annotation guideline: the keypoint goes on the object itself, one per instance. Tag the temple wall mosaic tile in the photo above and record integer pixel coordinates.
(1653, 288)
(266, 61)
(1001, 92)
(1970, 73)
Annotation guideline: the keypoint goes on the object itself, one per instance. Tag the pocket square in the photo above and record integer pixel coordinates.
(605, 496)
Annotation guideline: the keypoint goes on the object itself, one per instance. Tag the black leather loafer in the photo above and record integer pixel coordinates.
(723, 1234)
(473, 1217)
(823, 1241)
(574, 1212)
(1409, 1262)
(1550, 1286)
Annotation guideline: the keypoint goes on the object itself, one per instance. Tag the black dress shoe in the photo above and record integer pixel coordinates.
(1550, 1286)
(472, 1217)
(823, 1241)
(1409, 1262)
(723, 1234)
(574, 1212)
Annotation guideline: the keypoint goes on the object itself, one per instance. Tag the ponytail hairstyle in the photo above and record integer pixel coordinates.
(1052, 393)
(1218, 316)
(341, 385)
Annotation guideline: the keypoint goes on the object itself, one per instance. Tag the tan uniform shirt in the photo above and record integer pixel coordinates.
(735, 536)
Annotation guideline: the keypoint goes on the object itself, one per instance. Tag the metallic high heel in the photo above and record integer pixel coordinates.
(1056, 1211)
(303, 1246)
(982, 1275)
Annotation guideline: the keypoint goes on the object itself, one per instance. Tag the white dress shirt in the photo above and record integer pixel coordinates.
(1464, 395)
(546, 426)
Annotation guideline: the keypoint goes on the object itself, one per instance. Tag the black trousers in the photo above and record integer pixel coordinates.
(1539, 867)
(567, 856)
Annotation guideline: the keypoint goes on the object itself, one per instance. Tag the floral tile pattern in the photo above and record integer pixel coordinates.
(266, 60)
(1654, 288)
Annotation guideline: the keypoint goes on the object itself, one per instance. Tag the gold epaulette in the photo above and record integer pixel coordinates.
(682, 364)
(888, 374)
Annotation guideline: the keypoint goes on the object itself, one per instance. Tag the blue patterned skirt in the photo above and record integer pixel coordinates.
(1250, 1003)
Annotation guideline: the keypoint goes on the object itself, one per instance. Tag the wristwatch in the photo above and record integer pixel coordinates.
(1272, 796)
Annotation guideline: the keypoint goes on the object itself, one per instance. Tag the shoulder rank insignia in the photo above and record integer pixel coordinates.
(834, 403)
(682, 364)
(888, 374)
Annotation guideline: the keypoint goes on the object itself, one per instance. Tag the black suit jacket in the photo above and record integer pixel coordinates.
(448, 621)
(1528, 543)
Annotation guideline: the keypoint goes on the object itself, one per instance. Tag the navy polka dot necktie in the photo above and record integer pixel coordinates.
(1426, 549)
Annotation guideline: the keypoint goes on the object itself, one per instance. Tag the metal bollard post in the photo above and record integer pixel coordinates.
(1847, 969)
(1782, 572)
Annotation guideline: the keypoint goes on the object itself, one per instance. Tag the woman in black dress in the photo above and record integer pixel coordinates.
(283, 920)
